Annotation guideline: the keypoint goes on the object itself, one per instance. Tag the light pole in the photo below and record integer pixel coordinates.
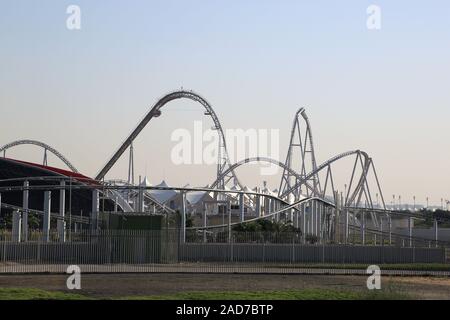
(414, 199)
(393, 202)
(399, 202)
(427, 203)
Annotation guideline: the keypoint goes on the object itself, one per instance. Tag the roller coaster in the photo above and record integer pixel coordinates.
(307, 198)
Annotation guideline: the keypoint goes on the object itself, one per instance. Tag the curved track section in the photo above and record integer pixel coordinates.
(156, 112)
(42, 145)
(254, 160)
(301, 139)
(323, 166)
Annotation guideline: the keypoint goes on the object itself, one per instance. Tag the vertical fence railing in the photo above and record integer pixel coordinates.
(161, 251)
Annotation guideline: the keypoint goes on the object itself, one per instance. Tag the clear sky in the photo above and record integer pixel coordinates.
(257, 62)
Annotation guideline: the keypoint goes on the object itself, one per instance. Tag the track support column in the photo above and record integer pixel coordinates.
(229, 221)
(25, 200)
(381, 231)
(62, 212)
(346, 226)
(241, 207)
(436, 233)
(204, 223)
(390, 229)
(95, 209)
(140, 207)
(258, 206)
(303, 211)
(410, 223)
(47, 209)
(16, 226)
(363, 228)
(183, 217)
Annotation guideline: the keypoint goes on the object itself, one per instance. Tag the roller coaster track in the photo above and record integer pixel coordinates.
(155, 111)
(42, 145)
(301, 141)
(254, 160)
(285, 209)
(321, 167)
(226, 170)
(292, 180)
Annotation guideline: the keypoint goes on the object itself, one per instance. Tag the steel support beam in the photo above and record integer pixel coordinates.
(61, 224)
(95, 211)
(436, 232)
(25, 206)
(16, 226)
(183, 217)
(204, 223)
(410, 227)
(390, 229)
(229, 221)
(363, 227)
(47, 209)
(346, 226)
(258, 206)
(241, 207)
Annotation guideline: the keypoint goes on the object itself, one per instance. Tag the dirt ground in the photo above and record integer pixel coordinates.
(120, 285)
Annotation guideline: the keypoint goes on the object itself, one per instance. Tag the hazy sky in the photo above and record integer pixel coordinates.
(83, 91)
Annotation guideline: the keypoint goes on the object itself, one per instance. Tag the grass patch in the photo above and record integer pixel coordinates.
(37, 294)
(307, 294)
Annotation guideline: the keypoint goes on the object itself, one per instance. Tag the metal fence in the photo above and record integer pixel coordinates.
(162, 251)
